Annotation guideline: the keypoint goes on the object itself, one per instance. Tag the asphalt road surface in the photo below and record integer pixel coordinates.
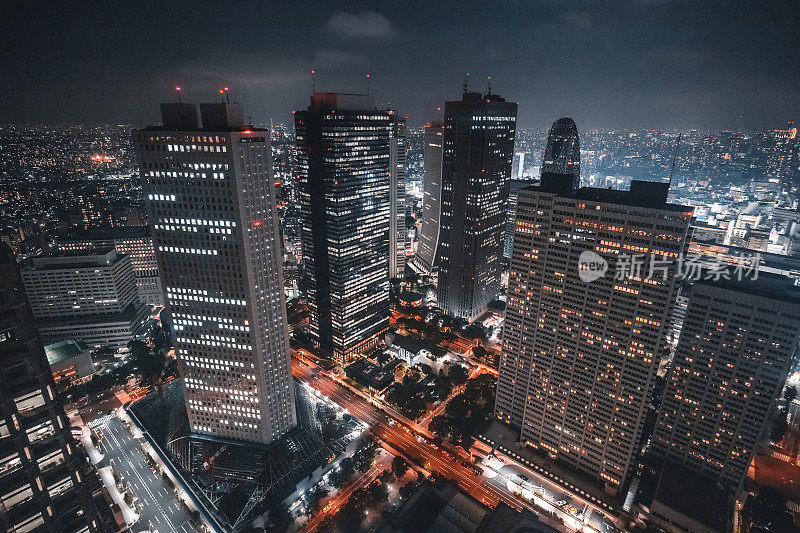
(160, 509)
(416, 448)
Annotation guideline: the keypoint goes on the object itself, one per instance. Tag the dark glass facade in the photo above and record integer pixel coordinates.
(563, 152)
(343, 163)
(476, 167)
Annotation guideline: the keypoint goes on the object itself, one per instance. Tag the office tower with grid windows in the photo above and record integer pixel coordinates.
(398, 145)
(45, 484)
(211, 203)
(511, 210)
(425, 258)
(87, 295)
(476, 167)
(738, 342)
(343, 158)
(580, 358)
(133, 241)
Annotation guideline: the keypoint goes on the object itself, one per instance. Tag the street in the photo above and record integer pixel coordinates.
(158, 507)
(423, 452)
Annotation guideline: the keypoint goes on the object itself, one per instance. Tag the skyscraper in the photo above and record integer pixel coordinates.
(738, 342)
(562, 155)
(398, 144)
(511, 214)
(579, 358)
(44, 481)
(476, 167)
(343, 161)
(211, 202)
(425, 258)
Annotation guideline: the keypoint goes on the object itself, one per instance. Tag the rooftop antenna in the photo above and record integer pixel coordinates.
(227, 95)
(674, 159)
(368, 76)
(466, 82)
(313, 80)
(178, 90)
(221, 96)
(489, 82)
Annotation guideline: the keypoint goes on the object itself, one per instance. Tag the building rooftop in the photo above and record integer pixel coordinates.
(342, 102)
(652, 194)
(217, 117)
(61, 350)
(772, 286)
(71, 259)
(105, 234)
(693, 495)
(415, 345)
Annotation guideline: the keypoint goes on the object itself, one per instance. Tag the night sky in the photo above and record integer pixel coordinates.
(638, 64)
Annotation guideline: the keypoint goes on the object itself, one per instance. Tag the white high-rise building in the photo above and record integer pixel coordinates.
(133, 241)
(425, 258)
(91, 296)
(580, 358)
(397, 196)
(211, 203)
(738, 342)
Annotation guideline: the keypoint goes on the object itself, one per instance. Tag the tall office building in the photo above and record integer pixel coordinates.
(476, 168)
(211, 203)
(562, 155)
(511, 214)
(343, 162)
(579, 358)
(425, 258)
(91, 296)
(738, 342)
(45, 484)
(398, 145)
(134, 241)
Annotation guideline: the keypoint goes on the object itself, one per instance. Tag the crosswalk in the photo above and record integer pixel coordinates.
(100, 421)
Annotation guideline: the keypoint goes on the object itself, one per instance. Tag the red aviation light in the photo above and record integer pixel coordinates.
(256, 223)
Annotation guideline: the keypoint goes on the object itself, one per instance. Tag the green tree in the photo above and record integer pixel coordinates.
(364, 457)
(443, 387)
(458, 375)
(399, 466)
(339, 477)
(407, 490)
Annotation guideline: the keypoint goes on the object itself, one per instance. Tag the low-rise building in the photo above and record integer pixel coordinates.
(70, 361)
(412, 350)
(88, 296)
(133, 241)
(369, 375)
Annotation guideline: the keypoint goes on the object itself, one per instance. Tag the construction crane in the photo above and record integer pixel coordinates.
(208, 464)
(675, 158)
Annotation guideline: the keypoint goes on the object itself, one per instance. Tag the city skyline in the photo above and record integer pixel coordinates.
(674, 66)
(449, 266)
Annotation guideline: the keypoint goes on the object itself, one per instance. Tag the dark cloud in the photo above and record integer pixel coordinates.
(644, 63)
(364, 25)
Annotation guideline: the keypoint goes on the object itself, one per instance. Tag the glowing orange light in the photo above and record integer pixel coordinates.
(221, 91)
(256, 223)
(177, 88)
(226, 88)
